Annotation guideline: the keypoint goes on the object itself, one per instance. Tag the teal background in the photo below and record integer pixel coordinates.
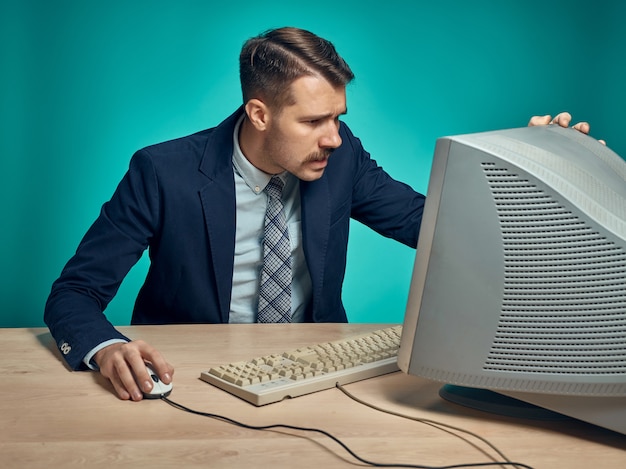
(84, 84)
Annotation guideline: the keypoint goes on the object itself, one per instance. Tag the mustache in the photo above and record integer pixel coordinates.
(320, 155)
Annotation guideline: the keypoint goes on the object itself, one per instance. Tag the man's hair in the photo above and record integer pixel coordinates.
(270, 62)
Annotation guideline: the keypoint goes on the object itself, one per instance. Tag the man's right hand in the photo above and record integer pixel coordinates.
(124, 364)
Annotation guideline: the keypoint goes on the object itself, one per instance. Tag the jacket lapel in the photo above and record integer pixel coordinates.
(315, 203)
(219, 207)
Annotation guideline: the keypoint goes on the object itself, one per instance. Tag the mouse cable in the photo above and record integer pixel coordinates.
(333, 438)
(451, 429)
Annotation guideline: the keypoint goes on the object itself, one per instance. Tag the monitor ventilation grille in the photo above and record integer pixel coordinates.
(564, 299)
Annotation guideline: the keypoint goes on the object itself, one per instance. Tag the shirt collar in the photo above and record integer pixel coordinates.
(254, 178)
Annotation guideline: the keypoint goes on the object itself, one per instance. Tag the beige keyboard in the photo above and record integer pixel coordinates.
(271, 378)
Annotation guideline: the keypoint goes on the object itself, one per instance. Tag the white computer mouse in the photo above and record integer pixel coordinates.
(159, 388)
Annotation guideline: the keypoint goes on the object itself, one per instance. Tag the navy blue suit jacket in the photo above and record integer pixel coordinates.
(178, 201)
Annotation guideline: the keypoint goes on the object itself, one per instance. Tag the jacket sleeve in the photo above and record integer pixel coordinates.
(389, 207)
(91, 278)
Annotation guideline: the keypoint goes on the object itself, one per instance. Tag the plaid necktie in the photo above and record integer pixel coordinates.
(275, 287)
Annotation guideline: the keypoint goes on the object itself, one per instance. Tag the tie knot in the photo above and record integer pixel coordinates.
(274, 188)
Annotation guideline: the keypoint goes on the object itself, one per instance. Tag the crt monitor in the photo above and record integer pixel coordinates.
(519, 283)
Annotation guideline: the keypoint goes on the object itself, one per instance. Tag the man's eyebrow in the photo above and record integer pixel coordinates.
(325, 116)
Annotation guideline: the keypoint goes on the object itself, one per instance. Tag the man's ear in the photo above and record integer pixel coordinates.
(258, 114)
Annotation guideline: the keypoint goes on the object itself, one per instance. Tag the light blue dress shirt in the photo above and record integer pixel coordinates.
(251, 199)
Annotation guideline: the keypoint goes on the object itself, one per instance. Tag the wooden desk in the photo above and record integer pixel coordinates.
(51, 417)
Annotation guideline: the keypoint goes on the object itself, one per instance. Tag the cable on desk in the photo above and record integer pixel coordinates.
(451, 429)
(335, 439)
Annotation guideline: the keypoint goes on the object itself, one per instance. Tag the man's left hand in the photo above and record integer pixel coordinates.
(563, 119)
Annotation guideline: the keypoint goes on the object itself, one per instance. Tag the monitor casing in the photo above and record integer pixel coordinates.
(519, 283)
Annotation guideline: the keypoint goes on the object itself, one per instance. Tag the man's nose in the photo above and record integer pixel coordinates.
(331, 137)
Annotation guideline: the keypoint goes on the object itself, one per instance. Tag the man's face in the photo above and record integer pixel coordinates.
(301, 137)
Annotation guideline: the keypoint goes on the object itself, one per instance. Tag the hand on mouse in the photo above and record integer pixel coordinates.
(563, 119)
(124, 365)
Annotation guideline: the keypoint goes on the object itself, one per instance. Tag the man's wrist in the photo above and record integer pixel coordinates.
(90, 362)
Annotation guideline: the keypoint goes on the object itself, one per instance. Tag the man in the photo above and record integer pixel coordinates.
(198, 204)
